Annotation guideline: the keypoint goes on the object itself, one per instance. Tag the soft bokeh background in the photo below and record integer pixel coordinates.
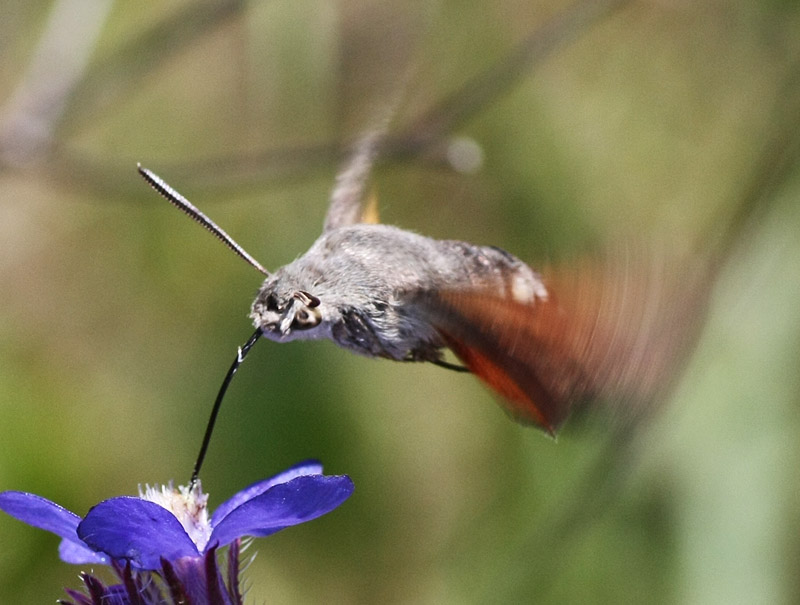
(118, 317)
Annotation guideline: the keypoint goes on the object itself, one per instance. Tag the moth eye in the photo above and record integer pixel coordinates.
(306, 318)
(272, 303)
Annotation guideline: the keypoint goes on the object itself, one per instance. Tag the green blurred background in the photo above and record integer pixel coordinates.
(119, 318)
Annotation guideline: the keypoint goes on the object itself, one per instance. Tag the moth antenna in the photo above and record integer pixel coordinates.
(181, 203)
(240, 355)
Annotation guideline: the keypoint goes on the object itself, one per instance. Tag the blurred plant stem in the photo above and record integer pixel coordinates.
(33, 112)
(91, 91)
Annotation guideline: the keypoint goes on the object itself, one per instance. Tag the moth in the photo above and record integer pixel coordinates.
(609, 328)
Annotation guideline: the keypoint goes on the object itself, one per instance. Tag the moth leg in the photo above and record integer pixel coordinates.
(435, 359)
(450, 366)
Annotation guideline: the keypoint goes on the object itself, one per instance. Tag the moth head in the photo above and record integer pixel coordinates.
(286, 314)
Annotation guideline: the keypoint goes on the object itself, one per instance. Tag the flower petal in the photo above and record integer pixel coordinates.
(40, 512)
(79, 554)
(136, 530)
(302, 499)
(307, 467)
(44, 514)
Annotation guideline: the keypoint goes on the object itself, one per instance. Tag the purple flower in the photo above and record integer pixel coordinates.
(169, 530)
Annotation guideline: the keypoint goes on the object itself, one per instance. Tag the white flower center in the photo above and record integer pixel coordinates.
(188, 504)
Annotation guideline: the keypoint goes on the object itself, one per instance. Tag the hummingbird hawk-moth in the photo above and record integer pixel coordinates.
(544, 341)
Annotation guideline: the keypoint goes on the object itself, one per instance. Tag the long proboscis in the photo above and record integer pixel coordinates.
(240, 355)
(185, 206)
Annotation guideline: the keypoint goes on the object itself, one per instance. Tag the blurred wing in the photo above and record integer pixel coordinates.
(609, 330)
(347, 196)
(369, 213)
(499, 340)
